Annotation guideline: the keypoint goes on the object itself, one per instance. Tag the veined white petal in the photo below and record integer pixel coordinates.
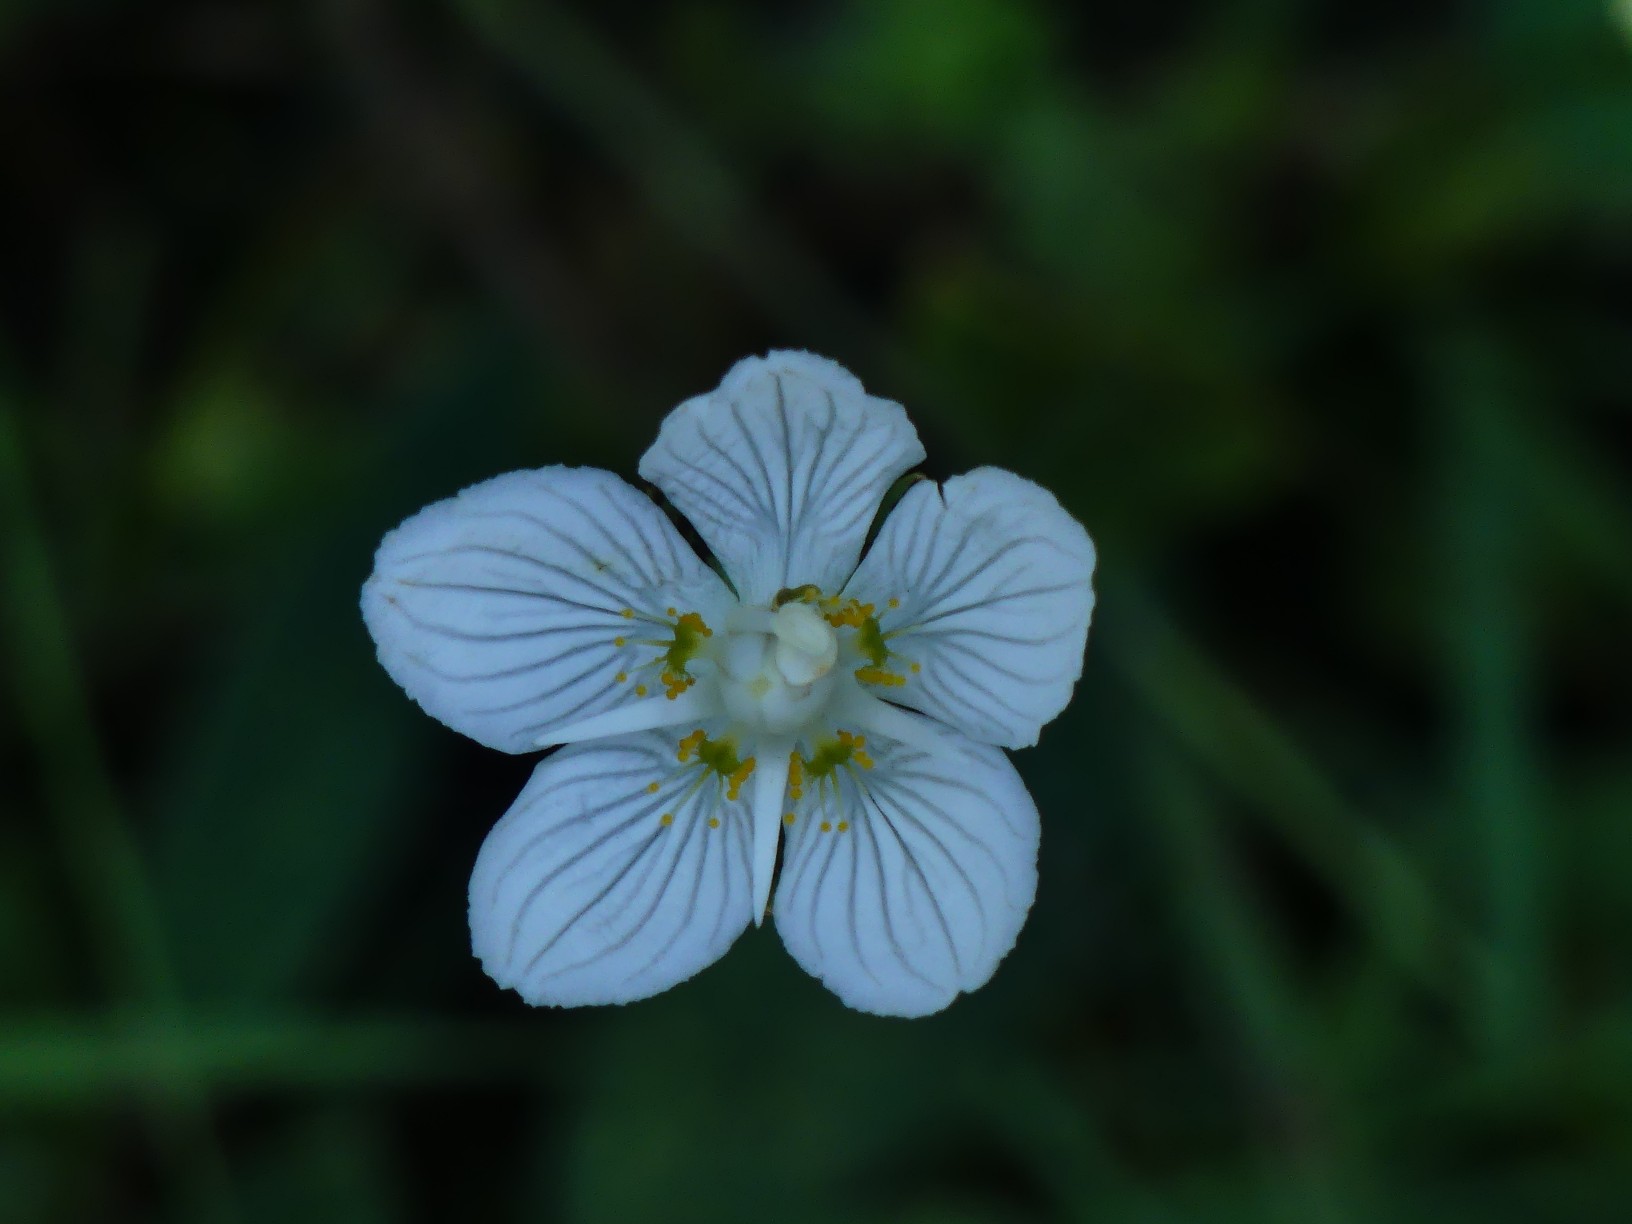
(865, 712)
(770, 788)
(782, 469)
(983, 590)
(512, 610)
(597, 888)
(688, 708)
(906, 883)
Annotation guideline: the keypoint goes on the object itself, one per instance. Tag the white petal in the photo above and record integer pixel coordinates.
(583, 894)
(992, 590)
(500, 610)
(765, 805)
(923, 887)
(782, 469)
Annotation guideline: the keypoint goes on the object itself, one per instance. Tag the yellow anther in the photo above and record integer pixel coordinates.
(713, 822)
(855, 744)
(826, 828)
(788, 819)
(879, 676)
(735, 781)
(843, 825)
(796, 775)
(691, 744)
(691, 620)
(668, 818)
(808, 593)
(914, 668)
(651, 788)
(852, 614)
(621, 677)
(627, 614)
(618, 641)
(672, 612)
(640, 690)
(894, 602)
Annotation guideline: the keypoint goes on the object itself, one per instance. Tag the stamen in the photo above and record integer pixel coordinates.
(855, 743)
(853, 614)
(691, 744)
(809, 593)
(880, 676)
(667, 819)
(735, 781)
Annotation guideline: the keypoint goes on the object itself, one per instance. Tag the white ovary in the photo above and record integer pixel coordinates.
(777, 670)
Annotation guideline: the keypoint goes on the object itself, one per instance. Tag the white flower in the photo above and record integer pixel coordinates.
(850, 715)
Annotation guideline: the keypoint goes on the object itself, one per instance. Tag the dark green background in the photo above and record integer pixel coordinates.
(1316, 314)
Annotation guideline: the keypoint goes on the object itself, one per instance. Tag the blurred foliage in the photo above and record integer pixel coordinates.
(1316, 314)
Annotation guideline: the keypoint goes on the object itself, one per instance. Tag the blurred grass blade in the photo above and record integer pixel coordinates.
(1245, 966)
(72, 1060)
(1483, 640)
(1222, 727)
(97, 846)
(693, 190)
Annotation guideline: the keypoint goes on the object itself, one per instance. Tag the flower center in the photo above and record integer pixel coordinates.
(777, 668)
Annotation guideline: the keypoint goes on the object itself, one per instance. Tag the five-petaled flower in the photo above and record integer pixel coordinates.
(804, 716)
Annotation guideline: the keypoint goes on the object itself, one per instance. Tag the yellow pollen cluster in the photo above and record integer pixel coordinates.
(881, 676)
(796, 776)
(734, 783)
(693, 621)
(826, 828)
(651, 788)
(788, 818)
(689, 631)
(713, 822)
(843, 825)
(856, 743)
(720, 756)
(668, 818)
(853, 614)
(894, 602)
